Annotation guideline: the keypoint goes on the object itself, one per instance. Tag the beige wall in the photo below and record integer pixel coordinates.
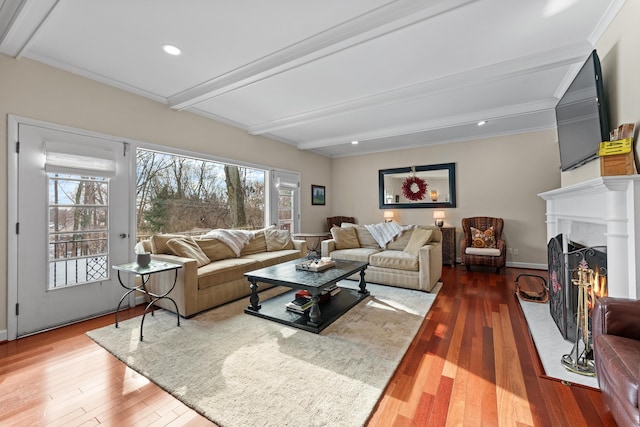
(618, 51)
(494, 177)
(33, 90)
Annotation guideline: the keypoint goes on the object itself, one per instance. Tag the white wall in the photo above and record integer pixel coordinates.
(494, 177)
(33, 90)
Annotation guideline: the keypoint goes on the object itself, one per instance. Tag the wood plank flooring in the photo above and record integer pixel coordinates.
(472, 363)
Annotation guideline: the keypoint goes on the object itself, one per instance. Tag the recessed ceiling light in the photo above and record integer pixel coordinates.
(171, 49)
(482, 122)
(354, 142)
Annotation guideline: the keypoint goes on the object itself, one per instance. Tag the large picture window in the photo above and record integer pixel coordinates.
(190, 196)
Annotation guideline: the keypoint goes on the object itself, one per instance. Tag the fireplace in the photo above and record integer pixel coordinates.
(603, 211)
(563, 276)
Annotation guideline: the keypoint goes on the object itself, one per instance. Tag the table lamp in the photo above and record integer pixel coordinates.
(388, 216)
(439, 217)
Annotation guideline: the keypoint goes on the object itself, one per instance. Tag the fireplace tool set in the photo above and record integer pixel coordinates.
(580, 360)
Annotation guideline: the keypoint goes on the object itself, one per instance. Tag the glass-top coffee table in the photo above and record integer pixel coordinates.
(320, 315)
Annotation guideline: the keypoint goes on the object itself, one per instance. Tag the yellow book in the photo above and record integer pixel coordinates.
(620, 146)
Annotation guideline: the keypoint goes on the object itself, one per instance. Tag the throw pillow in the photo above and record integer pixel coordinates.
(257, 244)
(159, 243)
(186, 247)
(483, 239)
(278, 240)
(365, 239)
(418, 239)
(215, 250)
(346, 238)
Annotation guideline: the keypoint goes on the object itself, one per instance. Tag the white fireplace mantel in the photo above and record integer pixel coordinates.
(604, 210)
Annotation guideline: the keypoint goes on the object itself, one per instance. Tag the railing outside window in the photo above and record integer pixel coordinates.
(78, 230)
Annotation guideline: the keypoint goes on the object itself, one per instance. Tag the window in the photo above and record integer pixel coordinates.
(185, 195)
(78, 229)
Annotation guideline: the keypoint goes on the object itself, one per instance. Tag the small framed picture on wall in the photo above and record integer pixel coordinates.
(317, 194)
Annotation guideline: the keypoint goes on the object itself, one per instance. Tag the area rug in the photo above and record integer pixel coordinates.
(550, 344)
(241, 370)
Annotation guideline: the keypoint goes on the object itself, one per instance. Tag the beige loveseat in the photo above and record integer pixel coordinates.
(218, 278)
(416, 267)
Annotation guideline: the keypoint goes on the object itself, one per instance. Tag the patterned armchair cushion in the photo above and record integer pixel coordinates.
(483, 238)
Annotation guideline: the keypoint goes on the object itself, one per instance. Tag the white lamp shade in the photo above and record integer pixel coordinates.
(388, 214)
(438, 215)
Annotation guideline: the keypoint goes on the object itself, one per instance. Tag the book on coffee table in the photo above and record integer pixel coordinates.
(299, 305)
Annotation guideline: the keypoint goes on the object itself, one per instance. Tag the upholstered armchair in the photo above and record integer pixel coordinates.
(338, 220)
(616, 350)
(484, 245)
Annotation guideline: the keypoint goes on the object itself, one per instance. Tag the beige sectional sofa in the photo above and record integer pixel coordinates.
(217, 278)
(416, 267)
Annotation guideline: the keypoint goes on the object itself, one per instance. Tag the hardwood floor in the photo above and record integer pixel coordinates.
(472, 363)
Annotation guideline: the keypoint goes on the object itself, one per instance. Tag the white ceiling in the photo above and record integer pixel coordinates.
(319, 74)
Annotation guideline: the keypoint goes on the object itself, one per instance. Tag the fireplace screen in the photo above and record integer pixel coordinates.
(563, 295)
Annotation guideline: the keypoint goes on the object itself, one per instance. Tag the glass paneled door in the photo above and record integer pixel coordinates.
(73, 213)
(285, 203)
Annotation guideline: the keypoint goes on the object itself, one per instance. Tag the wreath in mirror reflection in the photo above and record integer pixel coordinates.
(414, 188)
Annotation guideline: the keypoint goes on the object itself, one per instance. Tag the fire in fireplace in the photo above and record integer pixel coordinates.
(563, 269)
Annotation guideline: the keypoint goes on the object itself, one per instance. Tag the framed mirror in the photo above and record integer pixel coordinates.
(427, 186)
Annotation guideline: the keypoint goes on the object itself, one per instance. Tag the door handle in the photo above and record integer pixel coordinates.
(123, 235)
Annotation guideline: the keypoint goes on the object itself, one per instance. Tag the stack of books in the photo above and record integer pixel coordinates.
(300, 305)
(302, 302)
(331, 290)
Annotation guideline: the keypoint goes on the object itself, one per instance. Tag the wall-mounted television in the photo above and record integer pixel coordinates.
(582, 117)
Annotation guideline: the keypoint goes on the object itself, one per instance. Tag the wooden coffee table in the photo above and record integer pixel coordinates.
(320, 315)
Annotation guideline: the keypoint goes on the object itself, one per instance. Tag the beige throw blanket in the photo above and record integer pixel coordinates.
(235, 239)
(385, 232)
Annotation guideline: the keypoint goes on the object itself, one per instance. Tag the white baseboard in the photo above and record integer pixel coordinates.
(3, 335)
(528, 265)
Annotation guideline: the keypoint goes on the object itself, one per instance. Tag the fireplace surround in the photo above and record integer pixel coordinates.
(604, 211)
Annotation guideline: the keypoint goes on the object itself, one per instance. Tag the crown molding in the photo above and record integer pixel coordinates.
(383, 20)
(96, 77)
(605, 21)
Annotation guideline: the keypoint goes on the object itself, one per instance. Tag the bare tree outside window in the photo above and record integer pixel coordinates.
(78, 229)
(179, 194)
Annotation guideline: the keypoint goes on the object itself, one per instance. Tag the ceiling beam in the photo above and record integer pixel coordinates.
(440, 123)
(386, 19)
(20, 21)
(547, 60)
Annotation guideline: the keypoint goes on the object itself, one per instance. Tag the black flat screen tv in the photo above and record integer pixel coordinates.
(582, 117)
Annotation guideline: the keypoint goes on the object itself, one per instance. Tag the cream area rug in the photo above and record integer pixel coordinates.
(550, 344)
(242, 370)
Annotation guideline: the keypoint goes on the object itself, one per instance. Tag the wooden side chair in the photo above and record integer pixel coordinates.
(482, 243)
(338, 220)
